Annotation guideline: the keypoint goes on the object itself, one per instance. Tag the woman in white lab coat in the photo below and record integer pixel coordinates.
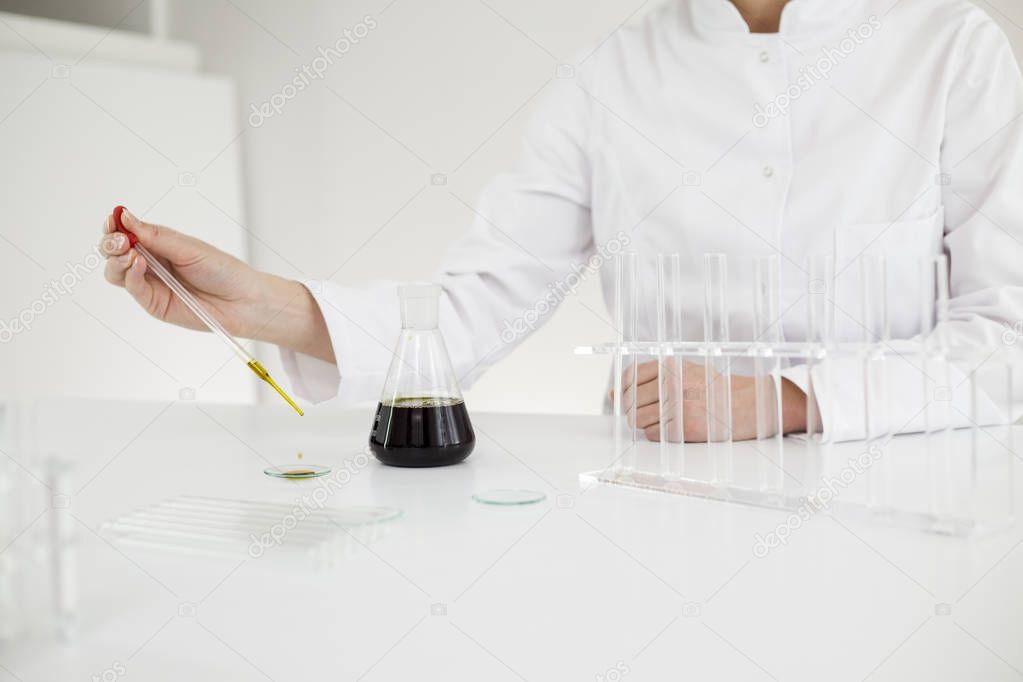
(750, 127)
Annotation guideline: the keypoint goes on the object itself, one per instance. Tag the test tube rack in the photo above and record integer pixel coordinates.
(942, 479)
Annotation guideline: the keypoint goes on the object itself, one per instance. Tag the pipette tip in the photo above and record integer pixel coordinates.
(261, 372)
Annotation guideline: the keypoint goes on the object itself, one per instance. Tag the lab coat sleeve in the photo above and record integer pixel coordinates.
(530, 238)
(982, 177)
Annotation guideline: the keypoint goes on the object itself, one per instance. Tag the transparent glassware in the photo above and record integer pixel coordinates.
(421, 420)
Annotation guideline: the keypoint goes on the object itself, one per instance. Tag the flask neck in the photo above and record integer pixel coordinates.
(419, 306)
(420, 368)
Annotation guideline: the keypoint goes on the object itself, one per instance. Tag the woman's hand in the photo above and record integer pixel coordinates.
(643, 409)
(248, 303)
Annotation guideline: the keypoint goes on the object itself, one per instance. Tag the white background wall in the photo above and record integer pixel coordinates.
(91, 118)
(342, 177)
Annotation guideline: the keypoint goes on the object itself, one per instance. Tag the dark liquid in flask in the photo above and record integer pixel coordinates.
(422, 432)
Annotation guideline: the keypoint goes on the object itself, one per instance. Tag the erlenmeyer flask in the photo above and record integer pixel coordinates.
(421, 420)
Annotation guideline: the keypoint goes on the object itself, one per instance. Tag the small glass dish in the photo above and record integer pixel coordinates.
(507, 497)
(299, 471)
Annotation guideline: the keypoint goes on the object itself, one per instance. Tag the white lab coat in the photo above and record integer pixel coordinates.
(895, 127)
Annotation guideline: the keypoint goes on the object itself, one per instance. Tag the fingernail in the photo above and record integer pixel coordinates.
(126, 260)
(127, 217)
(116, 242)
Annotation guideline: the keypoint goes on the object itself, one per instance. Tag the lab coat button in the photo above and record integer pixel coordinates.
(764, 57)
(768, 171)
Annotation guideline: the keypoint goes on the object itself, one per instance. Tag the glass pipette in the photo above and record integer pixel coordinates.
(192, 304)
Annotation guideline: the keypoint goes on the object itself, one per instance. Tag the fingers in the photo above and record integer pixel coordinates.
(647, 416)
(124, 267)
(645, 372)
(113, 243)
(140, 288)
(641, 401)
(646, 385)
(645, 394)
(117, 266)
(117, 250)
(671, 432)
(162, 241)
(644, 416)
(674, 430)
(644, 412)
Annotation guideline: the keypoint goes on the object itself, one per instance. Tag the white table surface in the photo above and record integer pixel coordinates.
(603, 583)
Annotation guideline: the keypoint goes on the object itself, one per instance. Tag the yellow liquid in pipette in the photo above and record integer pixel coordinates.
(261, 372)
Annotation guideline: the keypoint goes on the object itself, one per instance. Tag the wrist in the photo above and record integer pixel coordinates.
(289, 317)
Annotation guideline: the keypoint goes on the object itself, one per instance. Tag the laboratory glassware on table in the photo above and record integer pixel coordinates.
(38, 564)
(212, 526)
(942, 479)
(421, 420)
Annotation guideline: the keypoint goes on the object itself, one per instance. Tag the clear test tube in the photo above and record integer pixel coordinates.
(767, 366)
(670, 367)
(930, 368)
(1008, 441)
(718, 366)
(10, 625)
(988, 498)
(63, 568)
(968, 505)
(820, 335)
(820, 325)
(616, 372)
(19, 504)
(627, 325)
(937, 392)
(1005, 511)
(876, 393)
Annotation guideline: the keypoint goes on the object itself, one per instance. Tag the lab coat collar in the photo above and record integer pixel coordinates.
(802, 20)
